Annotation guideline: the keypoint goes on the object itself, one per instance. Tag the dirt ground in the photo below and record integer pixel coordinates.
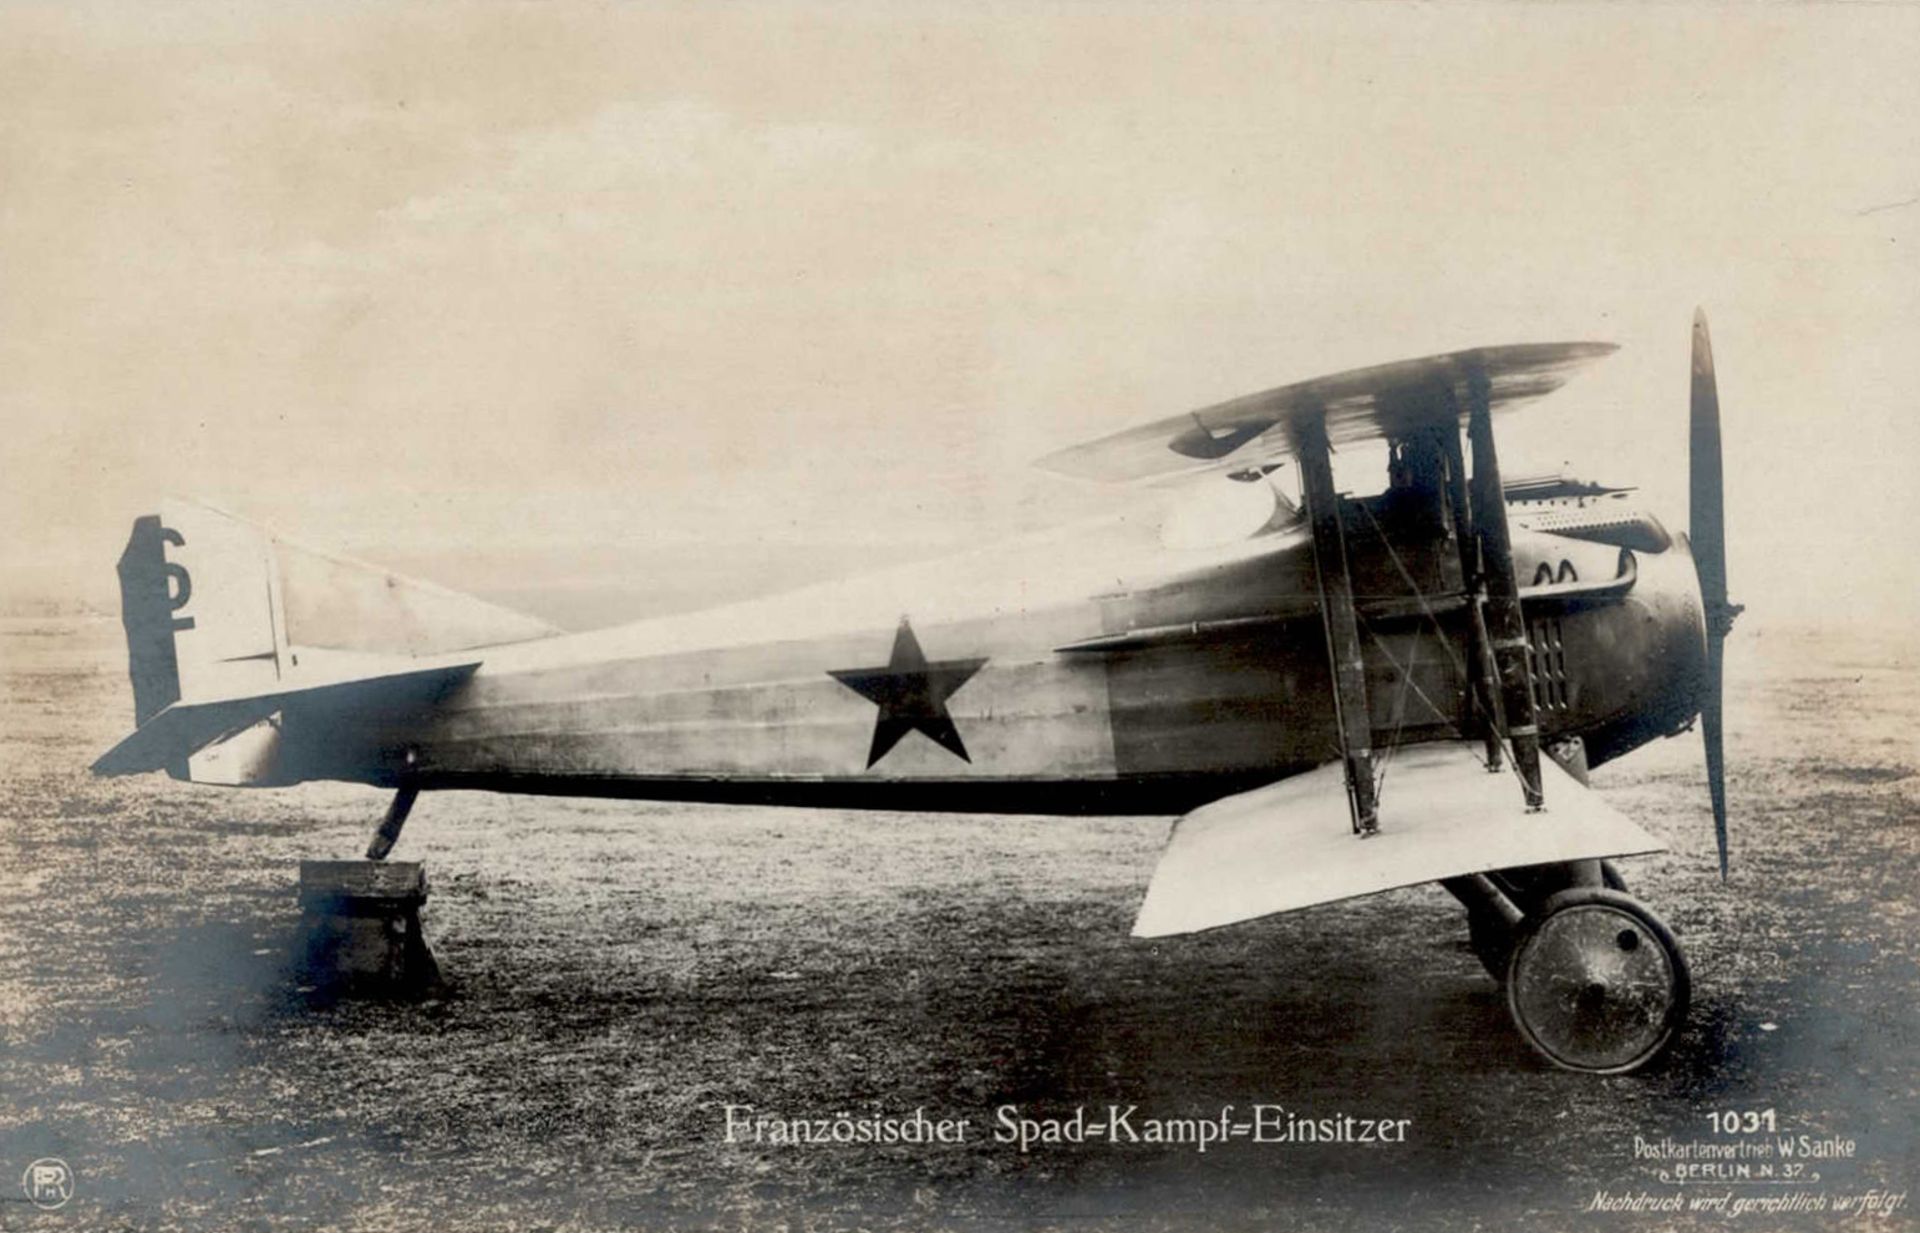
(621, 972)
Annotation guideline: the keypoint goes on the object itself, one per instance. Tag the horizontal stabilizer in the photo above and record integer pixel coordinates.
(165, 741)
(1291, 845)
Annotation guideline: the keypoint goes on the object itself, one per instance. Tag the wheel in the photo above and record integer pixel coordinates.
(1596, 982)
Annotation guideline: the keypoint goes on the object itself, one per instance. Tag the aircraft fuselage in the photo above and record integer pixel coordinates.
(1084, 671)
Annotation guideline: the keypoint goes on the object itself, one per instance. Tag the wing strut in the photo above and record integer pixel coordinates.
(1483, 690)
(1507, 626)
(1351, 714)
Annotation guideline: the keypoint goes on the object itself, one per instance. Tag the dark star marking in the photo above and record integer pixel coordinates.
(911, 694)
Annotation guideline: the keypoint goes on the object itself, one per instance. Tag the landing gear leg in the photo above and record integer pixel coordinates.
(1493, 919)
(1497, 902)
(389, 832)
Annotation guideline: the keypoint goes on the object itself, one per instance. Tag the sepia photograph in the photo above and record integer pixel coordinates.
(829, 615)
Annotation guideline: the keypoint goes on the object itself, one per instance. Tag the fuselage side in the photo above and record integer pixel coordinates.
(1092, 670)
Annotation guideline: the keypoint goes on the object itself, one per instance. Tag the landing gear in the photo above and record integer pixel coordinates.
(1497, 902)
(1492, 936)
(1596, 982)
(1491, 940)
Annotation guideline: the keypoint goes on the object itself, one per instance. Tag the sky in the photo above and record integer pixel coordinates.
(606, 309)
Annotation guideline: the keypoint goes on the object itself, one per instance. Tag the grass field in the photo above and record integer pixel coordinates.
(620, 972)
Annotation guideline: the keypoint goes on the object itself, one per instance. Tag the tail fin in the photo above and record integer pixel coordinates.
(198, 600)
(216, 607)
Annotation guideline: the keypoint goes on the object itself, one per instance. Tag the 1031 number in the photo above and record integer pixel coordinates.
(1744, 1122)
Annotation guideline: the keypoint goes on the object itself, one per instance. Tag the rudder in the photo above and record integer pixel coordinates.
(152, 589)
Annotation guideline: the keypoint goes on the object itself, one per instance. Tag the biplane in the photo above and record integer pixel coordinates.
(1339, 694)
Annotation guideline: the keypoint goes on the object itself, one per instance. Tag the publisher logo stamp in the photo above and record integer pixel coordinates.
(1754, 1162)
(48, 1183)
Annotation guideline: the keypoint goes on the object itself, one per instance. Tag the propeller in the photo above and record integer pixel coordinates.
(1707, 510)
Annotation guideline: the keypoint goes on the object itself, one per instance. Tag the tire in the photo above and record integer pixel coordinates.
(1596, 983)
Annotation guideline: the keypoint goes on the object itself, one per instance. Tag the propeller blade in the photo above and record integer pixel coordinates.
(1706, 498)
(1707, 512)
(1710, 735)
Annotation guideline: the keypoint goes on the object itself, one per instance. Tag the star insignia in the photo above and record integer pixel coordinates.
(911, 694)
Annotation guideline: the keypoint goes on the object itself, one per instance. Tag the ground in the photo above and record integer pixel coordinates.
(621, 972)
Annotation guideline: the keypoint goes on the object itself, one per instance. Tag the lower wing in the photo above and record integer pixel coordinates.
(1291, 844)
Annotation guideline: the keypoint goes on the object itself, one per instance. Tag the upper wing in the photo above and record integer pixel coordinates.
(1385, 400)
(1291, 845)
